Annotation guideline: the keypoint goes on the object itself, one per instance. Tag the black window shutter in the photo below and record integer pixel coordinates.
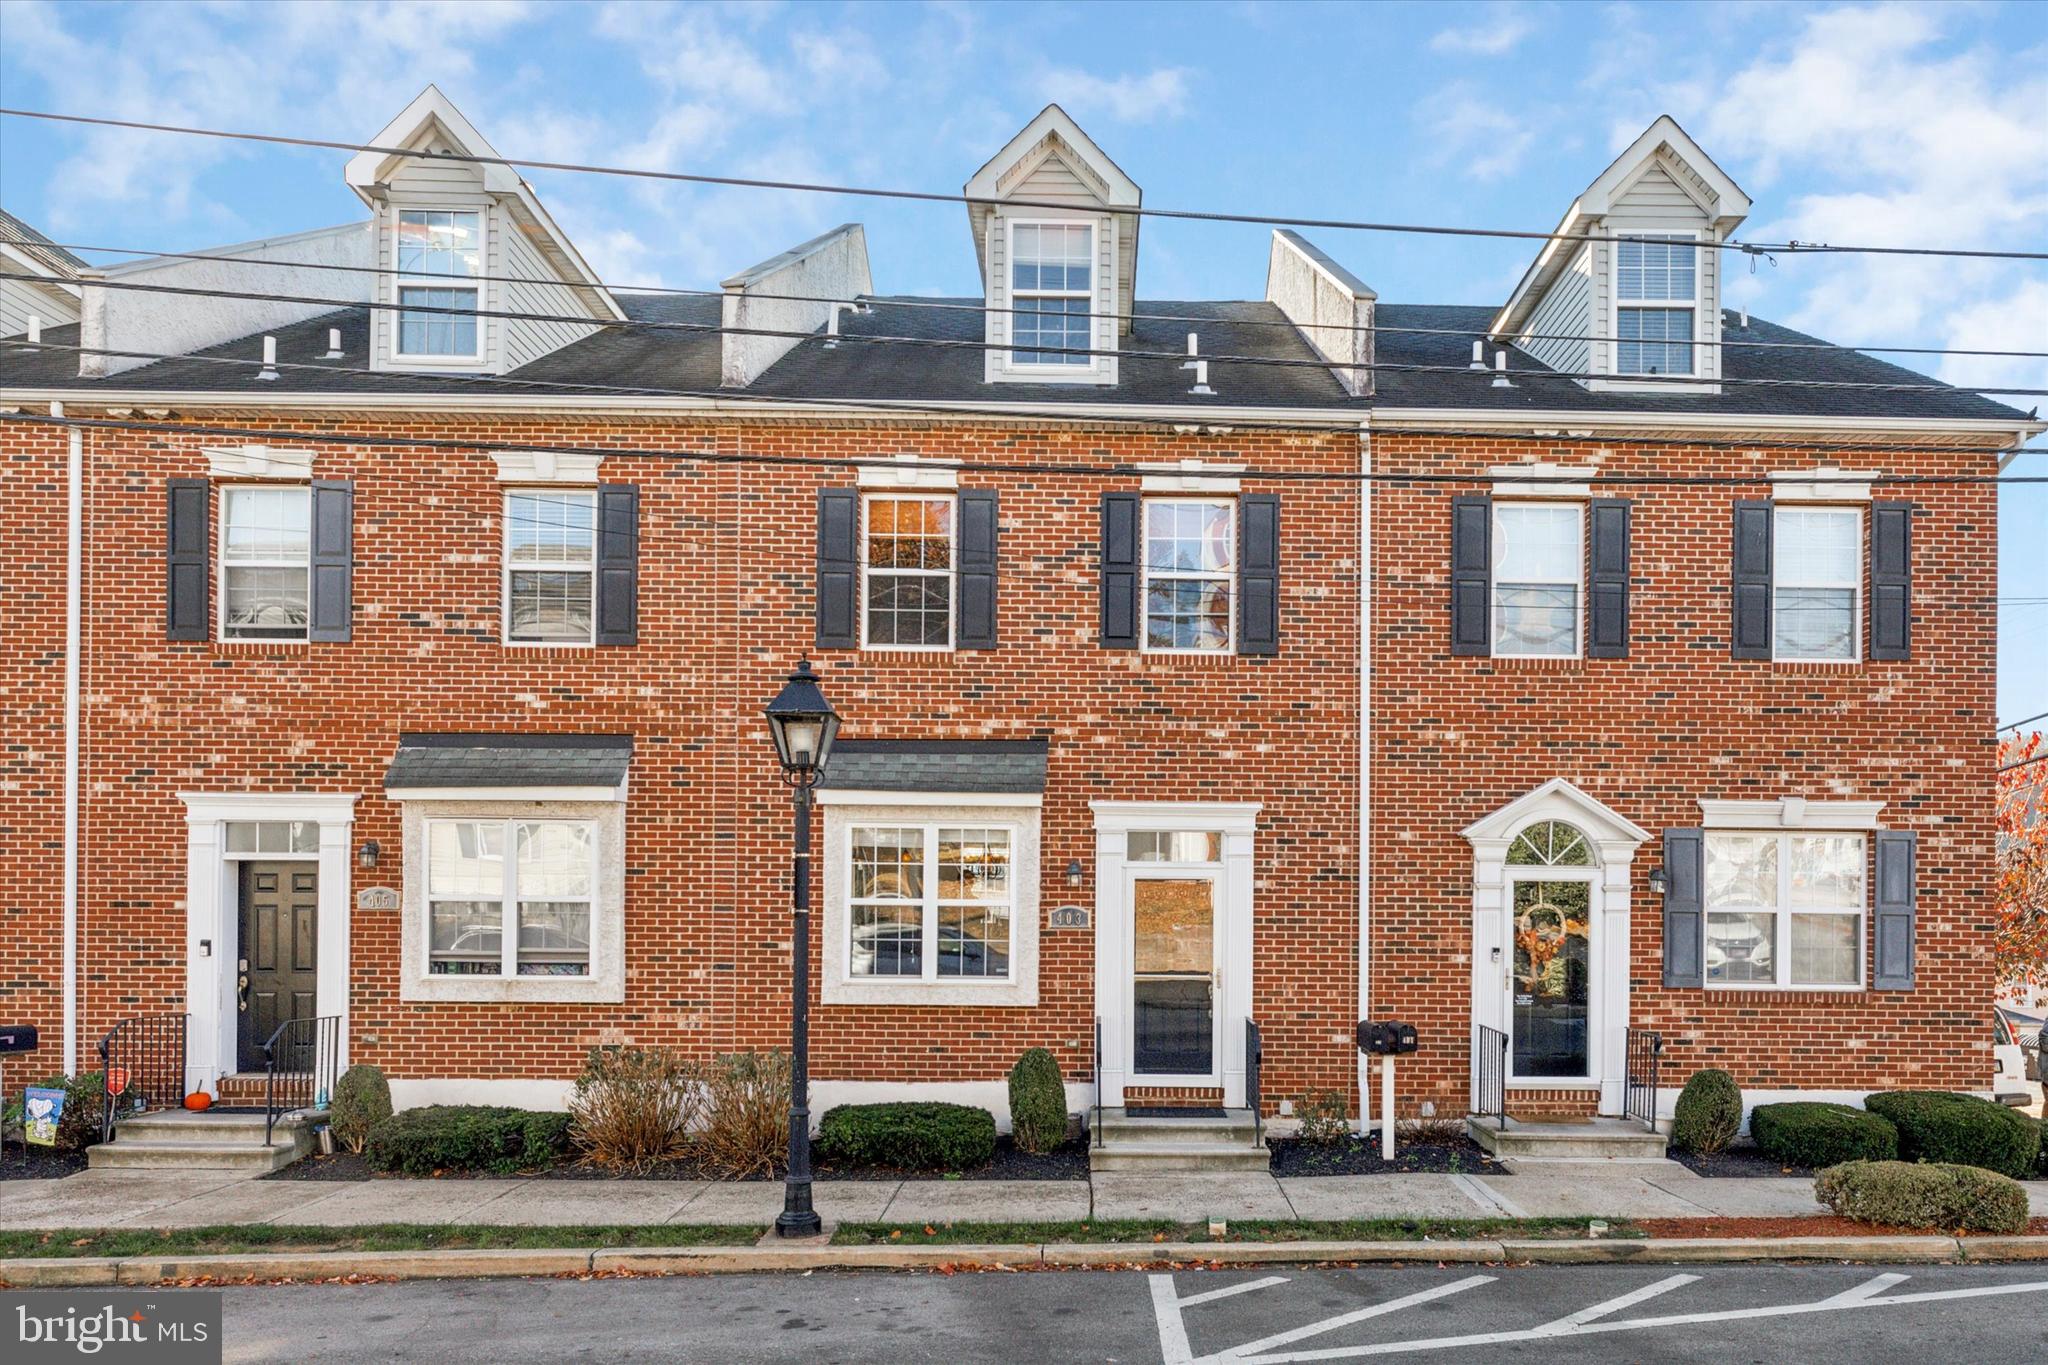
(1120, 550)
(1471, 574)
(976, 574)
(1897, 909)
(189, 540)
(1685, 918)
(1258, 574)
(1750, 625)
(1891, 580)
(1607, 578)
(618, 564)
(838, 568)
(334, 560)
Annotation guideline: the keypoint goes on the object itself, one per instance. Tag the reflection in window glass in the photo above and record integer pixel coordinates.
(1190, 569)
(1785, 909)
(1174, 846)
(1050, 274)
(551, 566)
(908, 566)
(1816, 573)
(266, 549)
(1538, 553)
(929, 902)
(543, 895)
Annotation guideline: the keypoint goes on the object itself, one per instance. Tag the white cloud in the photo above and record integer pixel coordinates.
(1158, 94)
(1495, 36)
(1474, 134)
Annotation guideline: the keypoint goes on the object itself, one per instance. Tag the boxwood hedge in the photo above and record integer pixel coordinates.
(1934, 1195)
(1937, 1125)
(921, 1136)
(1813, 1134)
(467, 1137)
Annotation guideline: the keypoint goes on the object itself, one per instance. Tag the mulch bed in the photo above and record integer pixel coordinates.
(1355, 1156)
(1739, 1163)
(43, 1163)
(1822, 1226)
(1068, 1162)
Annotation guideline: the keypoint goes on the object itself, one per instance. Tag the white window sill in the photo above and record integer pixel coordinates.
(1222, 652)
(550, 644)
(1557, 1083)
(263, 640)
(587, 990)
(987, 994)
(906, 649)
(1838, 663)
(1783, 990)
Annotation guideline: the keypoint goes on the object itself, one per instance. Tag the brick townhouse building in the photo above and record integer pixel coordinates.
(1518, 671)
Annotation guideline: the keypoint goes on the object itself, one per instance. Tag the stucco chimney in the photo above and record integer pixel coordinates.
(1331, 306)
(824, 274)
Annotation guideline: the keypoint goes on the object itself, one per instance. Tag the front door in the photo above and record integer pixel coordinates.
(1174, 978)
(1550, 1001)
(279, 926)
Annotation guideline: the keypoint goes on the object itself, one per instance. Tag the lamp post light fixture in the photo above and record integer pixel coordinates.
(803, 725)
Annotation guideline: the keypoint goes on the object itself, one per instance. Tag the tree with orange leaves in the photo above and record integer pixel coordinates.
(2021, 949)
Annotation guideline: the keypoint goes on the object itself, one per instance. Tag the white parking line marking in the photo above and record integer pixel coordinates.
(1316, 1329)
(1629, 1300)
(1210, 1296)
(1876, 1284)
(1166, 1306)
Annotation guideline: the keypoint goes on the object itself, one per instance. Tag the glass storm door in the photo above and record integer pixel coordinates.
(1550, 1000)
(1174, 978)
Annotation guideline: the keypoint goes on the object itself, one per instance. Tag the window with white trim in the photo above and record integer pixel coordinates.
(1539, 565)
(1816, 583)
(1190, 575)
(440, 256)
(929, 902)
(1785, 909)
(527, 914)
(907, 558)
(1656, 282)
(265, 558)
(1051, 291)
(550, 566)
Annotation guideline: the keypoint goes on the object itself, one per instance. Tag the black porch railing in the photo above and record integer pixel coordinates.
(142, 1067)
(1645, 1052)
(1489, 1074)
(301, 1062)
(1254, 1054)
(1095, 1117)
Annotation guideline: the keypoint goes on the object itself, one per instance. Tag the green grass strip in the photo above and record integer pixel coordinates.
(229, 1240)
(1146, 1230)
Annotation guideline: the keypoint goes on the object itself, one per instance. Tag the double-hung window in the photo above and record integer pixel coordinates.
(440, 265)
(265, 544)
(1785, 909)
(1051, 279)
(907, 559)
(510, 897)
(1656, 305)
(550, 566)
(1539, 557)
(1190, 574)
(1817, 583)
(929, 902)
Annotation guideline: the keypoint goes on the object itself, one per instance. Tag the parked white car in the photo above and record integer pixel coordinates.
(2011, 1084)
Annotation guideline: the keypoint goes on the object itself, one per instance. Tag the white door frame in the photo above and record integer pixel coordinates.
(1237, 822)
(212, 927)
(1212, 873)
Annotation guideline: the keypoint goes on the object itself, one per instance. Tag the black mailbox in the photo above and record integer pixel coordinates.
(19, 1038)
(1385, 1037)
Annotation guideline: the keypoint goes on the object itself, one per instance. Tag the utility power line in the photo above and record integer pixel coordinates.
(962, 344)
(948, 305)
(926, 196)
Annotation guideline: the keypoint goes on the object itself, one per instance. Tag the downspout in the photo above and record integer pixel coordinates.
(1365, 762)
(74, 609)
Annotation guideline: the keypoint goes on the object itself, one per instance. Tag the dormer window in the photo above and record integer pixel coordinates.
(440, 264)
(1051, 283)
(1656, 284)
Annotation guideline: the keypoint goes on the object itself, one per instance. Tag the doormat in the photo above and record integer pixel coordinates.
(1171, 1112)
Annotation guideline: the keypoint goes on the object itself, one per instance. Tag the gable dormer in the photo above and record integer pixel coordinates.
(1057, 240)
(1634, 313)
(461, 236)
(49, 292)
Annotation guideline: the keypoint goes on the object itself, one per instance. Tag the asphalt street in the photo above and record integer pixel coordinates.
(1285, 1314)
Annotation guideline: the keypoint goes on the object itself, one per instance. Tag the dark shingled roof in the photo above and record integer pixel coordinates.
(937, 765)
(29, 242)
(519, 760)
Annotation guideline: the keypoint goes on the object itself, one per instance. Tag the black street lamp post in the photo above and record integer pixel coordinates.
(802, 724)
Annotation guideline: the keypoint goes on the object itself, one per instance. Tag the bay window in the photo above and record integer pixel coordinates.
(509, 897)
(1785, 909)
(929, 902)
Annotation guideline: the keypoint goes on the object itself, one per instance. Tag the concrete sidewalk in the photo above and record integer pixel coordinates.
(1654, 1189)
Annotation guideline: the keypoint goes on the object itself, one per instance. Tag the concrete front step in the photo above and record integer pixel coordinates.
(180, 1140)
(1234, 1127)
(1167, 1143)
(1594, 1138)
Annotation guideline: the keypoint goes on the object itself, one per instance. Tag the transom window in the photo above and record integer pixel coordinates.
(1051, 285)
(550, 566)
(1538, 561)
(523, 915)
(1785, 909)
(265, 558)
(436, 246)
(1816, 583)
(1550, 843)
(930, 902)
(1173, 846)
(1190, 574)
(272, 838)
(907, 561)
(1656, 305)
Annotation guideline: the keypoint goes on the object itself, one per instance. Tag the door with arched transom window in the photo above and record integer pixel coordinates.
(1551, 923)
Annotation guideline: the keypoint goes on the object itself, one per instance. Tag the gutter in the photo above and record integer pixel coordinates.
(1365, 502)
(74, 611)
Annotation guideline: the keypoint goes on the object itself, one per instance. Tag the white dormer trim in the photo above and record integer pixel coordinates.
(258, 462)
(1664, 135)
(546, 466)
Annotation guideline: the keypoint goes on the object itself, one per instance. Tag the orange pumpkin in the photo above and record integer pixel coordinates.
(198, 1100)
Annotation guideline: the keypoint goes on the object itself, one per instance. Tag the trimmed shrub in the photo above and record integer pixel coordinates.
(78, 1127)
(1937, 1125)
(1708, 1113)
(1323, 1120)
(746, 1128)
(1814, 1134)
(635, 1107)
(467, 1137)
(1932, 1195)
(1038, 1102)
(926, 1136)
(361, 1101)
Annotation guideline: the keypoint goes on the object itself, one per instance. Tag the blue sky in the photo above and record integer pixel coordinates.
(1892, 124)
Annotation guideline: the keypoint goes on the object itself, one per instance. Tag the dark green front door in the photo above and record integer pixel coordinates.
(280, 922)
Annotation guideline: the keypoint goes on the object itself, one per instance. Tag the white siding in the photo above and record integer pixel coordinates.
(1054, 180)
(1567, 310)
(529, 341)
(1656, 200)
(18, 300)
